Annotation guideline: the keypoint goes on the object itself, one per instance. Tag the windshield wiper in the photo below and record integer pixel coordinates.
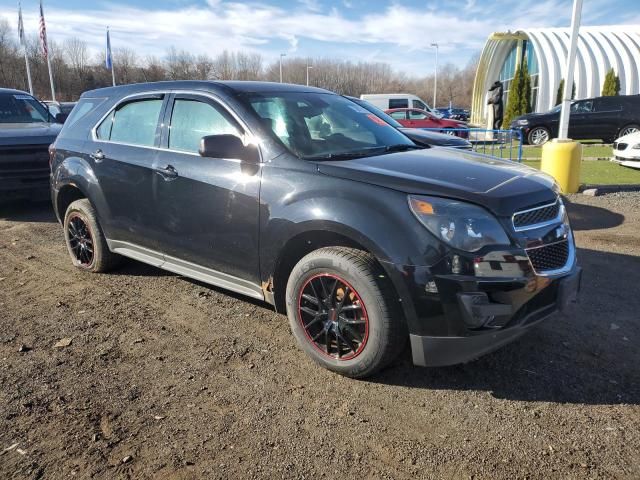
(401, 147)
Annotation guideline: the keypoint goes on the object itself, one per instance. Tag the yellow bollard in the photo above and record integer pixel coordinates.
(561, 159)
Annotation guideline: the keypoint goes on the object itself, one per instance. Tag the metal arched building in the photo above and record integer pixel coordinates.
(545, 50)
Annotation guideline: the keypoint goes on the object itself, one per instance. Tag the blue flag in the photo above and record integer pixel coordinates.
(108, 62)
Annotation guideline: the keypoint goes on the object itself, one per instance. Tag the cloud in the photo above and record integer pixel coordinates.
(396, 33)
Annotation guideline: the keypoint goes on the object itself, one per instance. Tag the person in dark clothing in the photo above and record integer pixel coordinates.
(495, 99)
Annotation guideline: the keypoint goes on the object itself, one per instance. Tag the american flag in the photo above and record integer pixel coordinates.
(20, 25)
(43, 34)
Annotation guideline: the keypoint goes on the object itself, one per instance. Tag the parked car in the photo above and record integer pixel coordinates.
(414, 118)
(454, 113)
(386, 101)
(60, 110)
(418, 136)
(26, 131)
(601, 118)
(298, 197)
(626, 150)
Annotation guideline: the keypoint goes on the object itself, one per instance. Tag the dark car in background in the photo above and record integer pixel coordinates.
(298, 197)
(26, 131)
(417, 135)
(60, 110)
(600, 118)
(454, 113)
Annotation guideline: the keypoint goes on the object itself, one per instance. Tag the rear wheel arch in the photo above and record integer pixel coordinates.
(66, 195)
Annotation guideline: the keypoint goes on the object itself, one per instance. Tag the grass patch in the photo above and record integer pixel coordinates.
(588, 151)
(602, 173)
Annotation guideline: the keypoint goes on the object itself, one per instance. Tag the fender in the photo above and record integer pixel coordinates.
(78, 172)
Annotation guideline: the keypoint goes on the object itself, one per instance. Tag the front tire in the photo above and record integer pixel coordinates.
(85, 241)
(538, 136)
(343, 311)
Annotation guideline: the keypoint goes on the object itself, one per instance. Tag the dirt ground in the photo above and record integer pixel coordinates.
(167, 378)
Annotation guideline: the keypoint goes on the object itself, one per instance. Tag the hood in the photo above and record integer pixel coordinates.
(434, 138)
(28, 133)
(501, 186)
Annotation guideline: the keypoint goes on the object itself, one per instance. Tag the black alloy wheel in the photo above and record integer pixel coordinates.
(81, 241)
(333, 316)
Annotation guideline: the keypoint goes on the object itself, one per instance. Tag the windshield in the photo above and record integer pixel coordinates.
(21, 108)
(324, 125)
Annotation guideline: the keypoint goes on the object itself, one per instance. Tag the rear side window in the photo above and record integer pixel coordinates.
(81, 110)
(399, 103)
(419, 104)
(134, 123)
(191, 120)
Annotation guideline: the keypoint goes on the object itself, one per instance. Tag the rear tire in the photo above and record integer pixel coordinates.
(538, 136)
(361, 329)
(85, 241)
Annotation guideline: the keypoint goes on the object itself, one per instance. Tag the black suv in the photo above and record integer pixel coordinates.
(602, 118)
(304, 199)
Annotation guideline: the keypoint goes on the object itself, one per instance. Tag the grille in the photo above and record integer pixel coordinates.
(620, 146)
(535, 216)
(24, 161)
(549, 257)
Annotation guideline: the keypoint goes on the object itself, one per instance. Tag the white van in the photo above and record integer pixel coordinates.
(385, 101)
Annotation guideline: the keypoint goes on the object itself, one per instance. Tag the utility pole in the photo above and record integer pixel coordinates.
(435, 78)
(281, 55)
(571, 64)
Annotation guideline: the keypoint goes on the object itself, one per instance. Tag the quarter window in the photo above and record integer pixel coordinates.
(134, 123)
(191, 120)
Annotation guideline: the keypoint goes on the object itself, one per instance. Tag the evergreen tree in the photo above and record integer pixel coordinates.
(519, 100)
(611, 87)
(561, 92)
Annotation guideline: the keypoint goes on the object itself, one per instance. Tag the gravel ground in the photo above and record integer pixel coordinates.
(157, 376)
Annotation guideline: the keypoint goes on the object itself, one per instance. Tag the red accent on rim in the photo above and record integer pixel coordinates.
(363, 318)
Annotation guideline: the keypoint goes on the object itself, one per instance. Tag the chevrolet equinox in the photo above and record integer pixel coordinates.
(301, 198)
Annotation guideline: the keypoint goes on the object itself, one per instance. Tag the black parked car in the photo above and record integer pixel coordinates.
(419, 136)
(601, 118)
(26, 131)
(296, 196)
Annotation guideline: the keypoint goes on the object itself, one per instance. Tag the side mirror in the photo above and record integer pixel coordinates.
(61, 117)
(228, 146)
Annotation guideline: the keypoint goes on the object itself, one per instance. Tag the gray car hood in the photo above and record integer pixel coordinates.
(28, 133)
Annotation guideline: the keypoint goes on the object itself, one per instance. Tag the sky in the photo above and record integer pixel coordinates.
(396, 32)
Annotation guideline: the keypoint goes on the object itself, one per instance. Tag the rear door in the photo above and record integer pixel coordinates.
(125, 145)
(208, 208)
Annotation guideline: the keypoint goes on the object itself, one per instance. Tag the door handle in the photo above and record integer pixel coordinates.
(98, 156)
(168, 173)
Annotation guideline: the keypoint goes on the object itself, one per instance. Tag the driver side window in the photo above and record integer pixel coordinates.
(416, 115)
(191, 120)
(582, 107)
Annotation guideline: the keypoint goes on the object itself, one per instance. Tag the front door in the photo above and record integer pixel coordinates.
(581, 120)
(122, 155)
(208, 208)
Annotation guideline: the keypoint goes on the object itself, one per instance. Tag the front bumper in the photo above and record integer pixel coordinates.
(27, 187)
(435, 351)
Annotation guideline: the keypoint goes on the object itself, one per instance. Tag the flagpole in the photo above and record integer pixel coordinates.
(109, 58)
(113, 75)
(24, 46)
(26, 60)
(53, 90)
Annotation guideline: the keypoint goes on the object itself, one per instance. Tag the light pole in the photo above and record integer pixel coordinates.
(281, 55)
(435, 78)
(308, 67)
(571, 63)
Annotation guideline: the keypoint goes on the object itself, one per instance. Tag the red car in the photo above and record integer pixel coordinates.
(416, 118)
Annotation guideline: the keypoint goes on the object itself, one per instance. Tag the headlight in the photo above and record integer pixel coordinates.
(523, 122)
(462, 225)
(636, 146)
